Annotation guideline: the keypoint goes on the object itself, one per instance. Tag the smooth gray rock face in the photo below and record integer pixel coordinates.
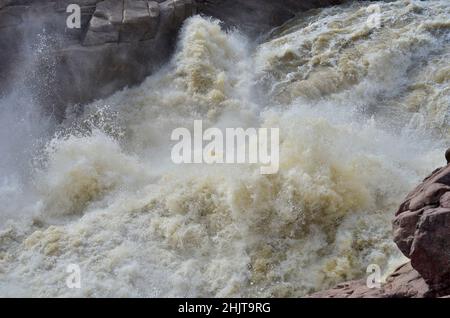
(120, 42)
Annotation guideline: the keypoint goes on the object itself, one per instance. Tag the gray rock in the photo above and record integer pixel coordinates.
(137, 22)
(120, 42)
(11, 17)
(105, 23)
(256, 17)
(154, 14)
(4, 3)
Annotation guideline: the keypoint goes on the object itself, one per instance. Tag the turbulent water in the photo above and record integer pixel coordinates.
(363, 114)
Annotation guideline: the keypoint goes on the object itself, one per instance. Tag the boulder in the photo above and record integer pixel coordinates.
(422, 229)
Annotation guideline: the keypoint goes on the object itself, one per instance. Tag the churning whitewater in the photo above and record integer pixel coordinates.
(363, 114)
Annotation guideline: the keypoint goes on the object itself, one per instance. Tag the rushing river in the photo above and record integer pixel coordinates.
(363, 113)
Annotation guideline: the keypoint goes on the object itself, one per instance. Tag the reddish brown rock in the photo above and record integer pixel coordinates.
(405, 282)
(404, 229)
(430, 251)
(422, 230)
